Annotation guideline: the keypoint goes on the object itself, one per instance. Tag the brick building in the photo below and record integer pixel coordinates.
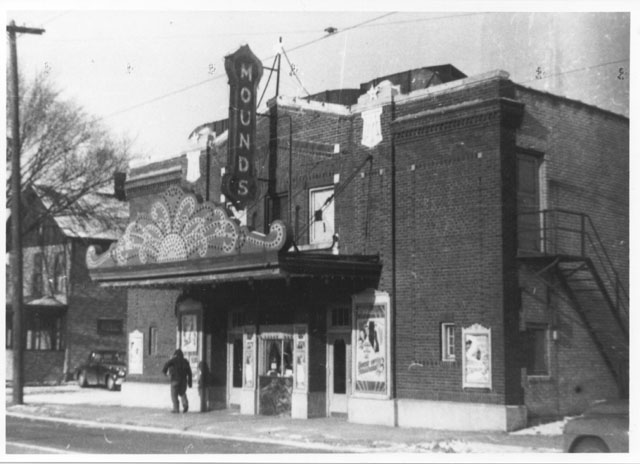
(65, 313)
(430, 250)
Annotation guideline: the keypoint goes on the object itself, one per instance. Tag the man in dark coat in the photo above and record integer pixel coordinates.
(179, 372)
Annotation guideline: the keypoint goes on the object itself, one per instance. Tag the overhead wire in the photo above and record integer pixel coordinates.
(211, 79)
(366, 23)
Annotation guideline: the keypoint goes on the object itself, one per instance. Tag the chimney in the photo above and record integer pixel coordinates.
(119, 179)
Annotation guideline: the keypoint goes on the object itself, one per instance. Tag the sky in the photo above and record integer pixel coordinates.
(153, 75)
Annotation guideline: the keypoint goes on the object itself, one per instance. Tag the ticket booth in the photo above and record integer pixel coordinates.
(275, 371)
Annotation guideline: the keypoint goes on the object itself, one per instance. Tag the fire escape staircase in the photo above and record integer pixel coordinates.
(570, 258)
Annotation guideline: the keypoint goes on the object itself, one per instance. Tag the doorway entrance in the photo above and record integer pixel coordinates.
(234, 370)
(338, 357)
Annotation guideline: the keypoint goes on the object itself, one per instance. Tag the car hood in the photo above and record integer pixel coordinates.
(116, 366)
(608, 407)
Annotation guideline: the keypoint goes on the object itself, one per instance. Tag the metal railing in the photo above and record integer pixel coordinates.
(573, 234)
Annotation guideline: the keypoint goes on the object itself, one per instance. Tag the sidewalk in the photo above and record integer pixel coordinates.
(92, 405)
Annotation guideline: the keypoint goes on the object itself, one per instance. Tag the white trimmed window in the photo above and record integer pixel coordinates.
(321, 205)
(448, 338)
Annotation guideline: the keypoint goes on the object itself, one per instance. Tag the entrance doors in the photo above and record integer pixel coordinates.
(338, 375)
(234, 369)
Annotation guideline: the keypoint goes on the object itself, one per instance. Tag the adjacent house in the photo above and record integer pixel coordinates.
(66, 314)
(429, 250)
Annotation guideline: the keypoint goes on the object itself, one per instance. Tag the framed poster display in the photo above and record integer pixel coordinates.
(136, 345)
(301, 358)
(371, 348)
(249, 360)
(476, 360)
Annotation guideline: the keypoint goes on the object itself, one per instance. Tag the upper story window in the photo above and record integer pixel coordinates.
(59, 273)
(8, 329)
(322, 211)
(529, 201)
(277, 208)
(37, 286)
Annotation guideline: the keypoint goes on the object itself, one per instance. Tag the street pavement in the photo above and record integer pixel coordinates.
(94, 406)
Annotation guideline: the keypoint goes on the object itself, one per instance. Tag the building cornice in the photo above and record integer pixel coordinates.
(454, 117)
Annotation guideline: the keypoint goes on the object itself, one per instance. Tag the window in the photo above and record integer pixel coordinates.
(340, 317)
(321, 206)
(37, 288)
(153, 341)
(278, 208)
(528, 197)
(238, 319)
(110, 326)
(9, 329)
(448, 338)
(537, 350)
(279, 357)
(59, 274)
(44, 330)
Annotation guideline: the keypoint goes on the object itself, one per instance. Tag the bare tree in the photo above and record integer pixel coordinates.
(63, 150)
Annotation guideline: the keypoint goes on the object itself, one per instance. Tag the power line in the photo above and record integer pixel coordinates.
(574, 70)
(183, 89)
(255, 33)
(306, 44)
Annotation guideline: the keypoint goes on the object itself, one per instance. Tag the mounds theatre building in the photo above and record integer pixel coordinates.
(429, 250)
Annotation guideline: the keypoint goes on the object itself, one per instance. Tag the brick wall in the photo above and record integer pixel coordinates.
(586, 152)
(88, 302)
(449, 245)
(586, 170)
(455, 152)
(147, 308)
(449, 227)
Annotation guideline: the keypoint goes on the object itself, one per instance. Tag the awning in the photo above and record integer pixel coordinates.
(268, 265)
(53, 301)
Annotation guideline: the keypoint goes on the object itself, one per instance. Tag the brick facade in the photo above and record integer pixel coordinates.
(444, 183)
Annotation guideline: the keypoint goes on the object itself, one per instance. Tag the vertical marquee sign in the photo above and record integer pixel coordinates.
(244, 70)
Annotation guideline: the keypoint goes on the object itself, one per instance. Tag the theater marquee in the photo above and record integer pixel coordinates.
(244, 70)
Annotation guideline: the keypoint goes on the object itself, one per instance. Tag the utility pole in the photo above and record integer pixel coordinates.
(16, 218)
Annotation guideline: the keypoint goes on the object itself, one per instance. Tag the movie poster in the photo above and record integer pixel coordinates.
(371, 337)
(189, 334)
(477, 357)
(135, 352)
(248, 361)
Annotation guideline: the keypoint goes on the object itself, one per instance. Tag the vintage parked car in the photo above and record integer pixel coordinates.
(103, 367)
(602, 428)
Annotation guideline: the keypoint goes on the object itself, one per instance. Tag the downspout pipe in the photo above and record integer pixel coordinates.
(393, 260)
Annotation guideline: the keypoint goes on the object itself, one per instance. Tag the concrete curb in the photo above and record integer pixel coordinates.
(437, 446)
(170, 431)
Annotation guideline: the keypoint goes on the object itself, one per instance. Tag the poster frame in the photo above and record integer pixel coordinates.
(376, 301)
(476, 332)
